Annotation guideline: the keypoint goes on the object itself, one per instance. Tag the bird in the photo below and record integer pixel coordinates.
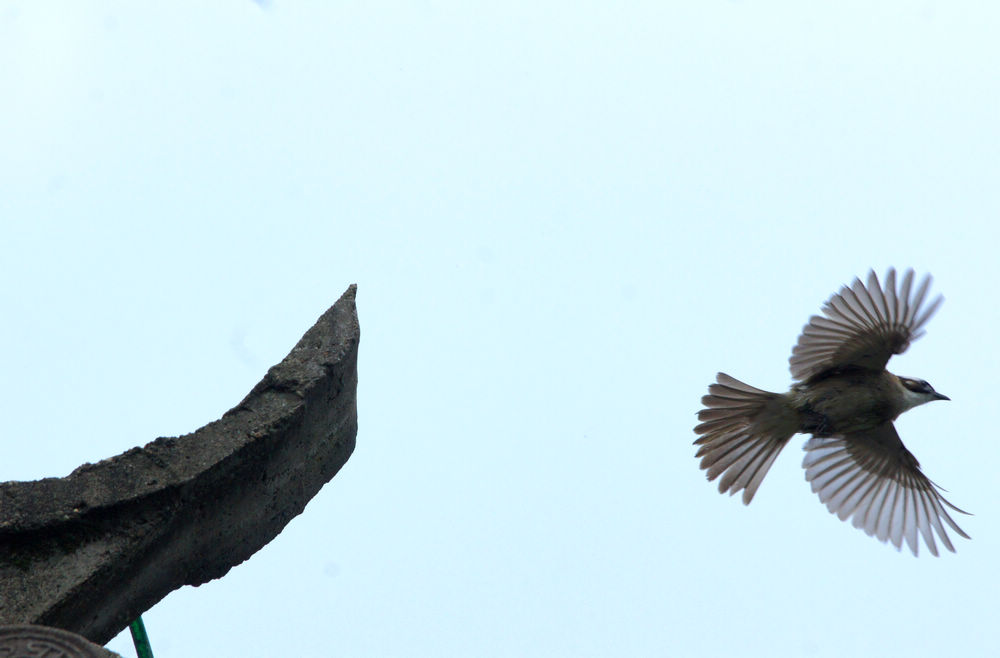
(846, 399)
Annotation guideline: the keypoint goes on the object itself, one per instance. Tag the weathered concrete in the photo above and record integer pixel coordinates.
(27, 640)
(92, 551)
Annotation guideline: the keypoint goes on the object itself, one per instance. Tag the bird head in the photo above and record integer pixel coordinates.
(917, 392)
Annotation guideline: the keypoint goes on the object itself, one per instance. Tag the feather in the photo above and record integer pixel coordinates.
(872, 479)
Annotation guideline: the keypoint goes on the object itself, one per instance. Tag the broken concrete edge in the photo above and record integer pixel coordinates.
(36, 504)
(91, 554)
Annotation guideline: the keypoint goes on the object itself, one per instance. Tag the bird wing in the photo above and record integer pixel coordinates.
(863, 326)
(871, 477)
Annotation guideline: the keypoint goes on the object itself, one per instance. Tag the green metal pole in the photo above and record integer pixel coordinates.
(140, 639)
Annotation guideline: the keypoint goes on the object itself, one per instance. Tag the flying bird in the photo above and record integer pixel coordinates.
(847, 400)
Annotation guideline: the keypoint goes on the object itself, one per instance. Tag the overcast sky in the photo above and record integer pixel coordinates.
(563, 219)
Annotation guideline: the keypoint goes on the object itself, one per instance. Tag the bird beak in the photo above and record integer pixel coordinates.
(938, 396)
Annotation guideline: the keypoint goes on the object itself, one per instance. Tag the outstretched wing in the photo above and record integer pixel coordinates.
(863, 326)
(872, 478)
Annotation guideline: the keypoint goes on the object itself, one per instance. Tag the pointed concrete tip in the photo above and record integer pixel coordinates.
(92, 551)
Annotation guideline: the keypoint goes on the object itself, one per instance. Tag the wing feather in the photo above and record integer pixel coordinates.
(863, 325)
(872, 479)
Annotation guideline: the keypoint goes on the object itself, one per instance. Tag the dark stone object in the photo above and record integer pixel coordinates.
(92, 551)
(27, 641)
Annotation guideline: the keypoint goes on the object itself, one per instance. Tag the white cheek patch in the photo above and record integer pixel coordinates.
(913, 399)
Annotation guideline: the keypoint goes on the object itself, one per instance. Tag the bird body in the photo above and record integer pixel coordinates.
(848, 401)
(851, 401)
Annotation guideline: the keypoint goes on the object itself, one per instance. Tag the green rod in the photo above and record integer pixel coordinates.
(140, 639)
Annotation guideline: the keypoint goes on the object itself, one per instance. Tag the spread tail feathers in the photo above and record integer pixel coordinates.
(742, 431)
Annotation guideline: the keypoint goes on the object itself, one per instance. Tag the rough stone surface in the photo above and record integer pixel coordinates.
(27, 641)
(90, 552)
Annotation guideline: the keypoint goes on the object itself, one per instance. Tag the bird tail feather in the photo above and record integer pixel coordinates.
(742, 431)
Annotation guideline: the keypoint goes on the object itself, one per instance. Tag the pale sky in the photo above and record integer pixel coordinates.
(563, 220)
